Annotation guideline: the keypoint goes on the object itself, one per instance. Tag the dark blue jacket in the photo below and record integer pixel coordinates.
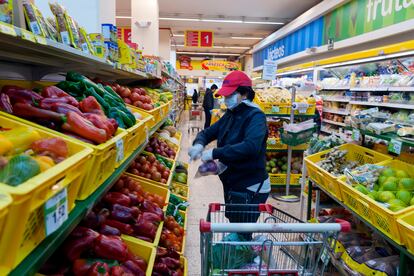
(241, 136)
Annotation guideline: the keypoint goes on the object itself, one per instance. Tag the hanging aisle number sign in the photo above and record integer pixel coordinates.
(202, 39)
(56, 211)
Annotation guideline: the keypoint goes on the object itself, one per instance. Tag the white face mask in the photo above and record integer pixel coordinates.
(232, 101)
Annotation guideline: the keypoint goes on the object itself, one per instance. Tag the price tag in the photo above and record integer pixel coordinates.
(56, 211)
(356, 134)
(7, 29)
(271, 142)
(146, 135)
(119, 150)
(302, 109)
(395, 146)
(275, 109)
(41, 40)
(28, 36)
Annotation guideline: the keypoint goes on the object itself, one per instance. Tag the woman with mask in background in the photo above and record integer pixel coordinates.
(241, 136)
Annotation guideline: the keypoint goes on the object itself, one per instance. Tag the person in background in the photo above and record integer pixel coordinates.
(241, 136)
(195, 96)
(208, 104)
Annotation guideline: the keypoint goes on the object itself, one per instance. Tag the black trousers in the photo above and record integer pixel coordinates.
(208, 118)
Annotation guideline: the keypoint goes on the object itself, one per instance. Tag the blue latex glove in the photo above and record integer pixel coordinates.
(207, 155)
(195, 152)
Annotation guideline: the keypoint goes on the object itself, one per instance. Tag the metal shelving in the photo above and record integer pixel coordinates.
(333, 122)
(391, 105)
(336, 111)
(31, 264)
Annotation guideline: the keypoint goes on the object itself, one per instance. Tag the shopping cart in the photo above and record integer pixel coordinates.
(278, 244)
(194, 118)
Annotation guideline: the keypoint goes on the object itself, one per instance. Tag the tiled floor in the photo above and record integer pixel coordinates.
(203, 191)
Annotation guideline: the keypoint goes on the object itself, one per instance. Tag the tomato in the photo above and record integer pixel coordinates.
(145, 168)
(156, 176)
(163, 181)
(142, 159)
(165, 174)
(152, 159)
(148, 175)
(134, 97)
(135, 171)
(127, 101)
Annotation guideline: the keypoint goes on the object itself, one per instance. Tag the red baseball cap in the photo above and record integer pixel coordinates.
(232, 81)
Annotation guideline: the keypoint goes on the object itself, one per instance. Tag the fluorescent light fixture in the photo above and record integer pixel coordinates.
(264, 22)
(221, 20)
(179, 45)
(178, 35)
(211, 54)
(179, 19)
(123, 17)
(236, 47)
(246, 37)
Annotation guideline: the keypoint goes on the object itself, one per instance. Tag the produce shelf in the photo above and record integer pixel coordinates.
(335, 88)
(336, 111)
(388, 137)
(288, 116)
(333, 122)
(391, 105)
(31, 264)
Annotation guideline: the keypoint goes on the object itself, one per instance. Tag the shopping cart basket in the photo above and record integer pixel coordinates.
(278, 244)
(195, 116)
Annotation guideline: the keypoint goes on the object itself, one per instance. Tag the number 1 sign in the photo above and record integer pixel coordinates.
(198, 39)
(206, 39)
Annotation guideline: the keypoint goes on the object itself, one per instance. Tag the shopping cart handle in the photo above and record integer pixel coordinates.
(205, 227)
(345, 225)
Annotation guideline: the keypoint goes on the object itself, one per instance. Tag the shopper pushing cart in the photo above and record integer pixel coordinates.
(279, 245)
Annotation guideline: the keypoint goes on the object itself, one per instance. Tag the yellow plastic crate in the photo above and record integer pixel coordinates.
(147, 117)
(186, 195)
(5, 203)
(179, 136)
(276, 144)
(275, 108)
(381, 217)
(159, 113)
(406, 229)
(155, 182)
(103, 160)
(165, 109)
(175, 147)
(186, 166)
(184, 262)
(140, 249)
(280, 179)
(329, 181)
(184, 214)
(27, 226)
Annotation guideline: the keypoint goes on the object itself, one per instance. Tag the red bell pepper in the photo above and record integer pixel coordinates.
(117, 271)
(28, 111)
(80, 240)
(84, 128)
(5, 104)
(117, 198)
(91, 105)
(55, 147)
(78, 137)
(123, 213)
(21, 95)
(110, 247)
(48, 103)
(151, 217)
(102, 123)
(98, 269)
(152, 208)
(109, 230)
(56, 92)
(81, 267)
(134, 268)
(64, 108)
(123, 227)
(145, 228)
(114, 123)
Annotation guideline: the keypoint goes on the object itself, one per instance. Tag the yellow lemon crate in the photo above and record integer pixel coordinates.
(354, 153)
(280, 179)
(5, 203)
(374, 212)
(27, 227)
(406, 229)
(274, 108)
(105, 157)
(146, 252)
(137, 134)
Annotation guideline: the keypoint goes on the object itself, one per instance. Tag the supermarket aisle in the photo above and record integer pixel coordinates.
(203, 191)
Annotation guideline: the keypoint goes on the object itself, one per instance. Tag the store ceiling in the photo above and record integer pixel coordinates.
(212, 14)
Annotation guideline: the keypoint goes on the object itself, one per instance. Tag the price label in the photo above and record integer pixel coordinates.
(356, 134)
(302, 109)
(272, 142)
(395, 146)
(119, 150)
(275, 109)
(34, 26)
(41, 40)
(28, 36)
(56, 211)
(7, 29)
(146, 135)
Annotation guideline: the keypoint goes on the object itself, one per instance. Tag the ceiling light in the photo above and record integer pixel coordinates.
(236, 47)
(246, 37)
(123, 17)
(264, 22)
(211, 54)
(178, 35)
(221, 20)
(179, 19)
(179, 45)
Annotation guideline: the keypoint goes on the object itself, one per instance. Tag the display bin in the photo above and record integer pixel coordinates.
(27, 226)
(330, 182)
(137, 134)
(178, 136)
(378, 215)
(5, 203)
(280, 179)
(296, 138)
(182, 187)
(175, 147)
(155, 182)
(275, 108)
(159, 113)
(152, 188)
(165, 108)
(102, 163)
(149, 119)
(276, 144)
(406, 229)
(184, 262)
(146, 252)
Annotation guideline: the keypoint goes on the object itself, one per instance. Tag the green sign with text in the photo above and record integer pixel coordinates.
(362, 16)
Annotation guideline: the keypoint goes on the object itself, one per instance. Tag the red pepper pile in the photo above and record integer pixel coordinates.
(172, 234)
(167, 263)
(160, 147)
(86, 252)
(128, 210)
(58, 110)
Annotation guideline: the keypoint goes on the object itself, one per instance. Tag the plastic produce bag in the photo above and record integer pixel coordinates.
(234, 256)
(210, 168)
(388, 265)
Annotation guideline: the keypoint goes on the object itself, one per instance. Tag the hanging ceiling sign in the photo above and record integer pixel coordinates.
(202, 39)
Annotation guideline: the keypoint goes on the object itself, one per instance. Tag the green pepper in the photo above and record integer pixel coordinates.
(91, 92)
(165, 160)
(114, 94)
(72, 88)
(114, 114)
(19, 169)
